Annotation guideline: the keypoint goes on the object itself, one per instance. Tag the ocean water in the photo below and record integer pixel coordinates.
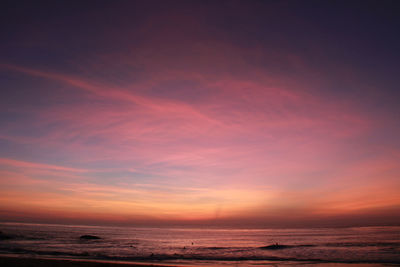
(218, 247)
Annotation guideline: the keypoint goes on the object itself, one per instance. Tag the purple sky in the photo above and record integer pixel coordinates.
(236, 113)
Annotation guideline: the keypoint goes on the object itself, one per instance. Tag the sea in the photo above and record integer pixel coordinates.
(363, 246)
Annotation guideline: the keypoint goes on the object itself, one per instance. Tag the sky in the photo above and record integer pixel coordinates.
(200, 113)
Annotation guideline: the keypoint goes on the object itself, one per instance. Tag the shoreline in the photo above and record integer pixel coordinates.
(11, 260)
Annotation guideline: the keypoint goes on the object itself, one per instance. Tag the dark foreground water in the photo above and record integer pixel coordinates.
(378, 245)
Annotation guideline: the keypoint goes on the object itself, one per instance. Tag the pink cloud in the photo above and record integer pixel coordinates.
(31, 165)
(247, 132)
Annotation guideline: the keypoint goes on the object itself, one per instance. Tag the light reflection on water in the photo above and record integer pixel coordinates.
(206, 246)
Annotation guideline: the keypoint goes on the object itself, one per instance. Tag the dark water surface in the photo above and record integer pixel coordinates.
(375, 245)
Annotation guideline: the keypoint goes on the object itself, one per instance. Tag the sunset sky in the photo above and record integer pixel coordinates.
(217, 113)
